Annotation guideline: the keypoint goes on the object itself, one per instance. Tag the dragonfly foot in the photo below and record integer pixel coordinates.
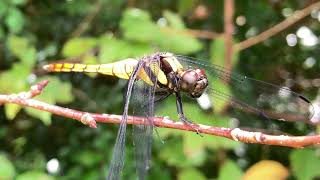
(190, 124)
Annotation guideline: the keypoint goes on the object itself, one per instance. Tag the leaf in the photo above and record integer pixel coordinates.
(113, 49)
(77, 46)
(194, 147)
(87, 158)
(266, 169)
(136, 25)
(18, 2)
(34, 175)
(22, 49)
(218, 103)
(174, 20)
(14, 20)
(17, 74)
(185, 6)
(305, 164)
(172, 153)
(3, 8)
(230, 170)
(217, 53)
(11, 110)
(7, 170)
(191, 174)
(55, 92)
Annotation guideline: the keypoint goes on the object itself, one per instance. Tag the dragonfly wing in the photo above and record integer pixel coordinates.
(253, 96)
(118, 156)
(144, 94)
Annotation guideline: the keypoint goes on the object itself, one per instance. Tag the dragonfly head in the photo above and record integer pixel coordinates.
(194, 82)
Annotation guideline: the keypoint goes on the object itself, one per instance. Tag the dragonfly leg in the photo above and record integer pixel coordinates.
(182, 117)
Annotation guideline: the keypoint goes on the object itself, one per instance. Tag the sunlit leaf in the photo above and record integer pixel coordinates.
(22, 49)
(17, 74)
(137, 25)
(11, 110)
(191, 174)
(230, 170)
(77, 46)
(266, 169)
(174, 20)
(18, 2)
(34, 175)
(305, 164)
(7, 170)
(113, 49)
(14, 20)
(218, 103)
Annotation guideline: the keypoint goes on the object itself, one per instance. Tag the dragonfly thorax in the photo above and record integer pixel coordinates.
(193, 82)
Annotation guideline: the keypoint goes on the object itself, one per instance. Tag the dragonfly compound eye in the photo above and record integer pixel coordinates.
(194, 82)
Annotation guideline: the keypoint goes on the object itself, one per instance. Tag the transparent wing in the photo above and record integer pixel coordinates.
(252, 96)
(118, 156)
(144, 95)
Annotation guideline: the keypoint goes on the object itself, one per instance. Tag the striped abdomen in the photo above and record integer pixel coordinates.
(121, 69)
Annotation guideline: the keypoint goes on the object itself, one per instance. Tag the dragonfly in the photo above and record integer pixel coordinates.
(155, 77)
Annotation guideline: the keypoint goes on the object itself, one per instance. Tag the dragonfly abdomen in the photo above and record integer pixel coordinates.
(121, 69)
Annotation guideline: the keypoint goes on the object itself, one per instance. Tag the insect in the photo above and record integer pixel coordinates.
(155, 77)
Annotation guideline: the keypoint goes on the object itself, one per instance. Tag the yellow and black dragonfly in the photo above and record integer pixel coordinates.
(153, 78)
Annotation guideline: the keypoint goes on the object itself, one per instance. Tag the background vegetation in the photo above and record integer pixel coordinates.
(37, 145)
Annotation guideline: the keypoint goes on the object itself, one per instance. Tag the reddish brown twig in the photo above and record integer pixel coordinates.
(24, 99)
(295, 17)
(228, 30)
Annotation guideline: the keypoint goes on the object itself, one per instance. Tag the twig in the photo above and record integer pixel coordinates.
(228, 30)
(83, 26)
(90, 119)
(295, 17)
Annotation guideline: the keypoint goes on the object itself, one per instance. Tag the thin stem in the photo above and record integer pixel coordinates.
(90, 119)
(295, 17)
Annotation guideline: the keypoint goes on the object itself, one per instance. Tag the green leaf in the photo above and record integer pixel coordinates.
(171, 152)
(87, 158)
(55, 92)
(305, 164)
(11, 110)
(3, 8)
(220, 104)
(217, 53)
(174, 20)
(191, 174)
(113, 49)
(18, 2)
(230, 170)
(136, 25)
(77, 46)
(7, 170)
(185, 6)
(194, 147)
(17, 74)
(14, 20)
(22, 49)
(34, 175)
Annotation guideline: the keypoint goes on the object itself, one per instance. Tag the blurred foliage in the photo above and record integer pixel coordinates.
(33, 33)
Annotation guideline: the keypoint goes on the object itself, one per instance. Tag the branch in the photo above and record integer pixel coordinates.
(90, 119)
(85, 23)
(228, 30)
(295, 17)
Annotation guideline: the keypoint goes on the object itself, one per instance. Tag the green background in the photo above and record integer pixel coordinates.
(34, 33)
